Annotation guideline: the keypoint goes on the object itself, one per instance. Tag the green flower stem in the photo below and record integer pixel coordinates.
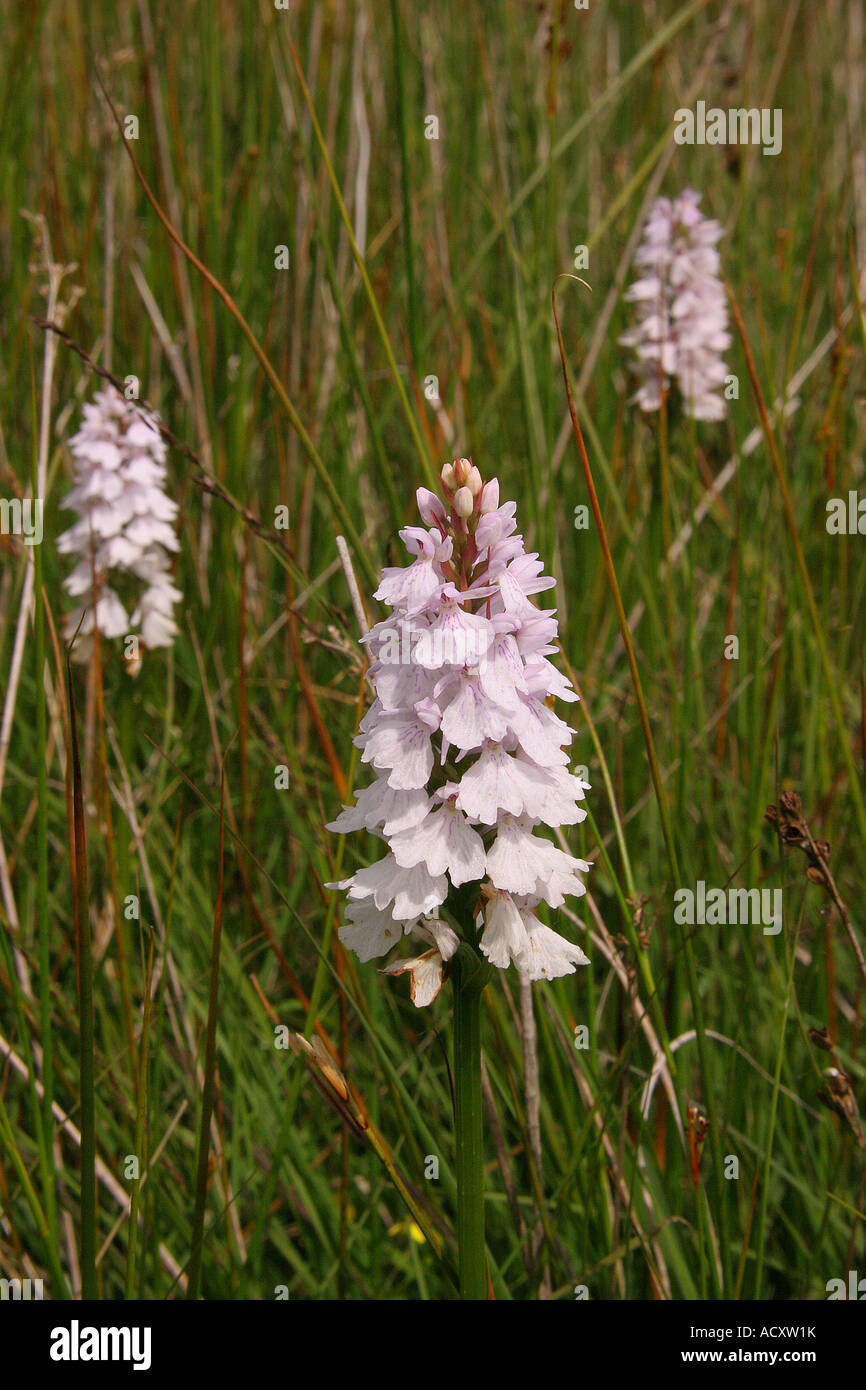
(470, 975)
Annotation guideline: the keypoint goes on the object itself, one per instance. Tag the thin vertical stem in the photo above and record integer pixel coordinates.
(767, 1172)
(46, 1147)
(209, 1087)
(86, 1032)
(472, 1262)
(471, 973)
(664, 473)
(140, 1126)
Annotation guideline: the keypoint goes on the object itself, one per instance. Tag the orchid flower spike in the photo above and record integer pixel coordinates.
(469, 760)
(125, 525)
(682, 312)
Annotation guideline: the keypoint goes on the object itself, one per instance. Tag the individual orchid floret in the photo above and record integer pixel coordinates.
(682, 315)
(430, 507)
(471, 763)
(425, 972)
(125, 526)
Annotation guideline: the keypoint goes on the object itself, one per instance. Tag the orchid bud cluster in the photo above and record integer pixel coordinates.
(682, 311)
(469, 760)
(125, 524)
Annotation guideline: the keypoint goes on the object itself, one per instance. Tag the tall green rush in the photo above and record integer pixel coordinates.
(85, 1010)
(209, 1085)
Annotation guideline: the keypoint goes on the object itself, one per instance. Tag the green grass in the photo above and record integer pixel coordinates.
(412, 258)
